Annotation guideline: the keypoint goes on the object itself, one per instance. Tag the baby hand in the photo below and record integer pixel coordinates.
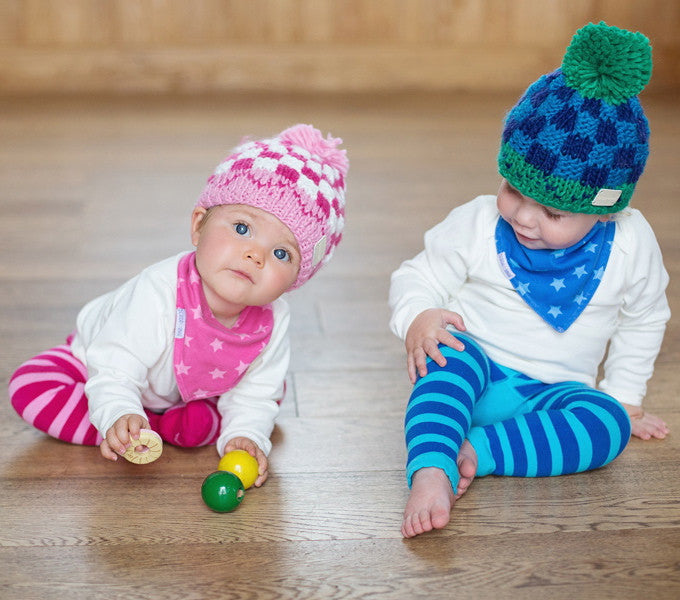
(119, 436)
(243, 443)
(425, 334)
(646, 425)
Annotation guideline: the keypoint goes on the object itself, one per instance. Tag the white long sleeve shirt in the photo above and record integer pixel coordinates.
(125, 338)
(459, 271)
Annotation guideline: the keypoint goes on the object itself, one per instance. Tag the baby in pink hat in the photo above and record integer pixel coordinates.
(196, 347)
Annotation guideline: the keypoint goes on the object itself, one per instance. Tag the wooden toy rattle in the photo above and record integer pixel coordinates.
(223, 490)
(152, 447)
(241, 464)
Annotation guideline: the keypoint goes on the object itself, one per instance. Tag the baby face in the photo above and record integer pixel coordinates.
(245, 257)
(540, 227)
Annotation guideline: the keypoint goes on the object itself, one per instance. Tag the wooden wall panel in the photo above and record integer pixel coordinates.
(337, 45)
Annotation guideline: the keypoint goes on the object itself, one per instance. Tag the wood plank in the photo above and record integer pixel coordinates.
(322, 506)
(564, 566)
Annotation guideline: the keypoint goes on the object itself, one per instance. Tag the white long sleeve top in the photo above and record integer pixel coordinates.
(125, 338)
(459, 271)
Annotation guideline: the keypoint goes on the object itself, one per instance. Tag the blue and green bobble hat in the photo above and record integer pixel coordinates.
(577, 140)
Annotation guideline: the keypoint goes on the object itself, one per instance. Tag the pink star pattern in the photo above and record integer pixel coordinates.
(217, 374)
(242, 367)
(181, 368)
(210, 359)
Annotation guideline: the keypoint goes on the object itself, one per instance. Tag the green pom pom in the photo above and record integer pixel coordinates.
(608, 63)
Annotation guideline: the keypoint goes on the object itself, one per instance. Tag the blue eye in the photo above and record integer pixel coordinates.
(241, 228)
(282, 254)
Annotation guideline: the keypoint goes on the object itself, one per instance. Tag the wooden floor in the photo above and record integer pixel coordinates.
(93, 190)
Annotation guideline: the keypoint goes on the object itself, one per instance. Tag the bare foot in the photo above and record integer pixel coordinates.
(431, 500)
(429, 505)
(467, 467)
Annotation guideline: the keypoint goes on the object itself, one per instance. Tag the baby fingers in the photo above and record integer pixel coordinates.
(451, 341)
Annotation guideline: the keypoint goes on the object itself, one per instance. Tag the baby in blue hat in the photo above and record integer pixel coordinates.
(517, 298)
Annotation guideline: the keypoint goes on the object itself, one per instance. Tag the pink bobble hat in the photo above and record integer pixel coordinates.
(299, 177)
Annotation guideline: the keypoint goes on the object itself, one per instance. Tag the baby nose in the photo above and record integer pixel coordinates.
(255, 254)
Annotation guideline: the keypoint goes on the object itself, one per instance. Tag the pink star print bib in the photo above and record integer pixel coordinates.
(209, 358)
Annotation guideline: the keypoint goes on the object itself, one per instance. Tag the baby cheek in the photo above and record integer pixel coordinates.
(276, 275)
(288, 278)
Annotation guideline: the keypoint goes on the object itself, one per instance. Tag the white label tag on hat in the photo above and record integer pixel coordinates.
(319, 251)
(606, 197)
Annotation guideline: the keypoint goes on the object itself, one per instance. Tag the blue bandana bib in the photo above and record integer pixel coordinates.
(557, 284)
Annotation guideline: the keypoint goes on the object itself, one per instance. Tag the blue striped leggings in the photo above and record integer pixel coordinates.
(517, 425)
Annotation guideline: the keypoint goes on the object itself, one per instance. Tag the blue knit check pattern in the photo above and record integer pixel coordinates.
(561, 148)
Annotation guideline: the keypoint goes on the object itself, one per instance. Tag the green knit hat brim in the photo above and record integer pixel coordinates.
(556, 192)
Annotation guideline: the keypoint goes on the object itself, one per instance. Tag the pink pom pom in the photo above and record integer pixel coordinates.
(312, 140)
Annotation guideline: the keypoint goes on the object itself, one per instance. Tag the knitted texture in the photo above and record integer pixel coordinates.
(299, 177)
(581, 129)
(608, 63)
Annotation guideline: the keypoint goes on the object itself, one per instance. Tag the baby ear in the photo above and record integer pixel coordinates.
(197, 220)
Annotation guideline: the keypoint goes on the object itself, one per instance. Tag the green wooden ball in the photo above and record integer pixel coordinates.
(222, 491)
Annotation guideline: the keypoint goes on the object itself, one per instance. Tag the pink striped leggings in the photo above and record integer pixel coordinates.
(48, 392)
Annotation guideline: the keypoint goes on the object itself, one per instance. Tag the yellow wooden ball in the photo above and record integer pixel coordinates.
(241, 464)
